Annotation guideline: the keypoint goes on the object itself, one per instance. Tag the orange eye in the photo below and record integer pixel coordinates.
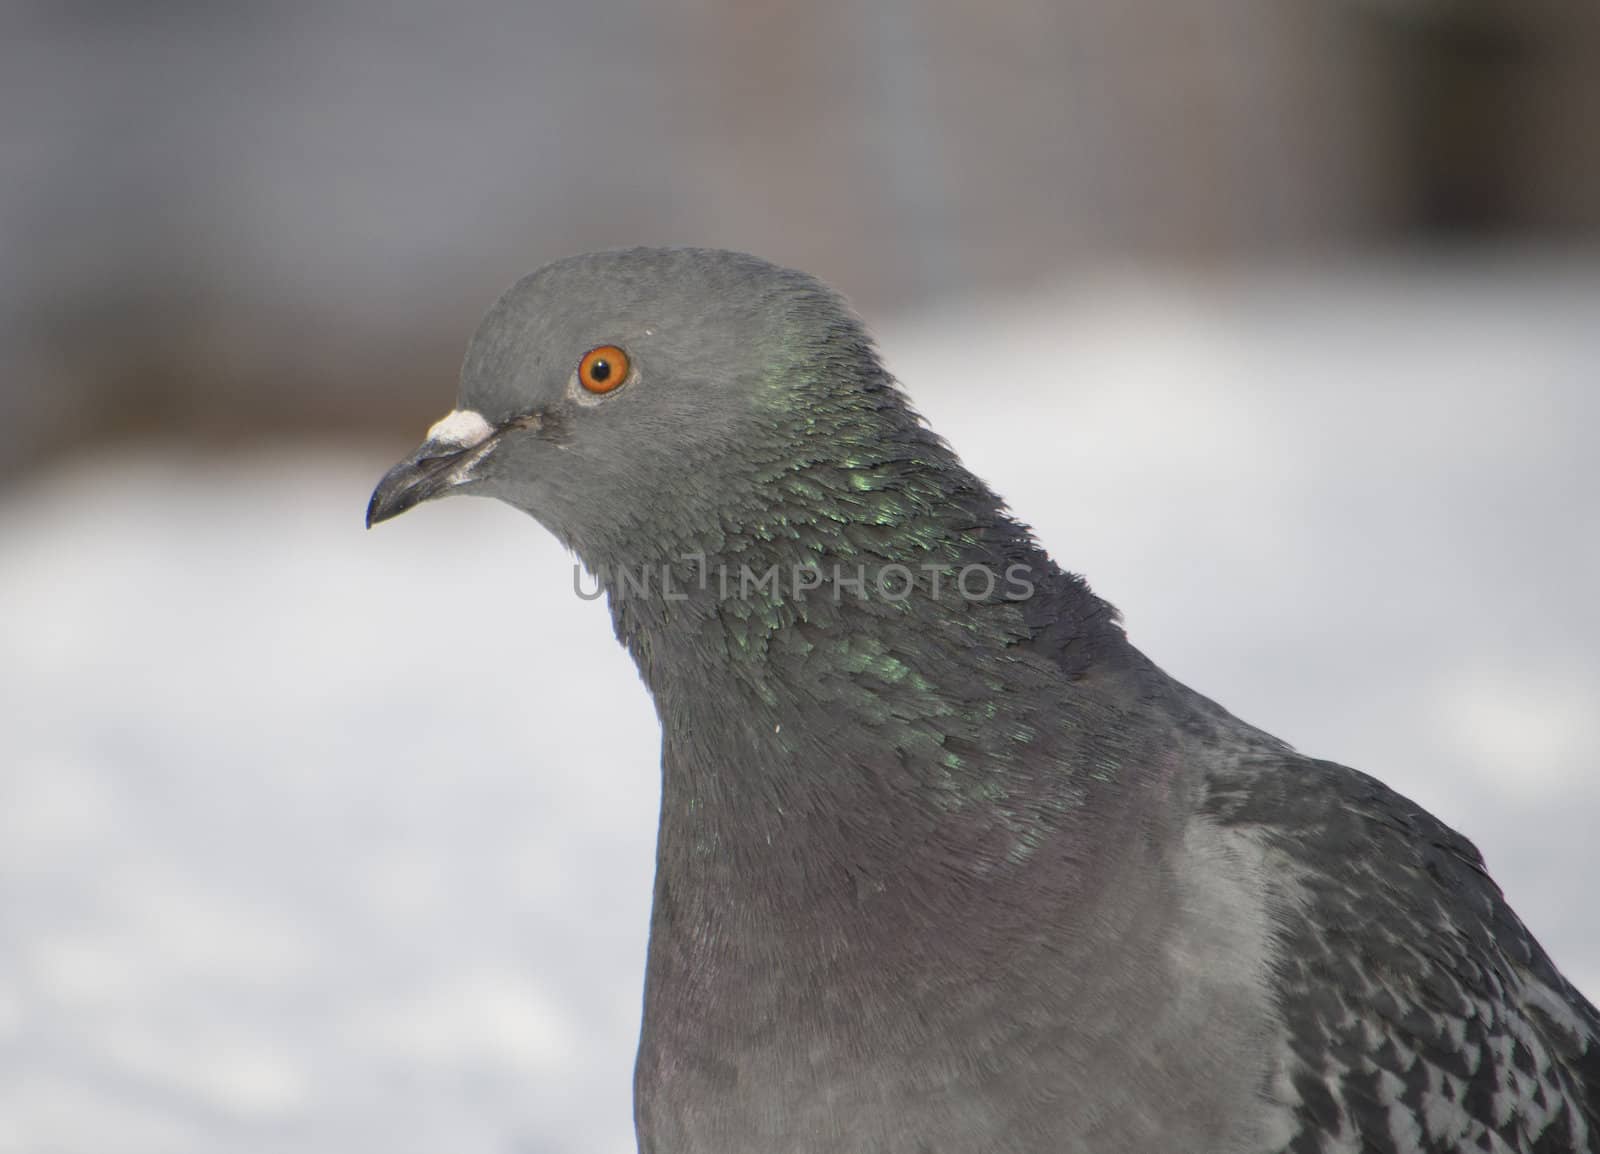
(603, 369)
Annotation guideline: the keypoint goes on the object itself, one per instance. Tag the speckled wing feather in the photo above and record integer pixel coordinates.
(1421, 1014)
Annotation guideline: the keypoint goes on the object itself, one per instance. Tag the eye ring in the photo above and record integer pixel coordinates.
(603, 368)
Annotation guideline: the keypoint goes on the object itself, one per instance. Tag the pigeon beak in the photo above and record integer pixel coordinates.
(441, 463)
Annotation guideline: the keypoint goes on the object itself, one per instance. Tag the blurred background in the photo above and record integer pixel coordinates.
(1309, 296)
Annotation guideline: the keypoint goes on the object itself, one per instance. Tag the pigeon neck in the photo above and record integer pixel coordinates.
(821, 554)
(873, 693)
(898, 546)
(862, 690)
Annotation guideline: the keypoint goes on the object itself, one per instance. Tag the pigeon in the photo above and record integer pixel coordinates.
(944, 863)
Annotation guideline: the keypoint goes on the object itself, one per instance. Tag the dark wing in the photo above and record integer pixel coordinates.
(1422, 1015)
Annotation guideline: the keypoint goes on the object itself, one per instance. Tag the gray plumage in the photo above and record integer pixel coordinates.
(962, 870)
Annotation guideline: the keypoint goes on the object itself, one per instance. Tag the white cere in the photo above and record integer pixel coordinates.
(462, 428)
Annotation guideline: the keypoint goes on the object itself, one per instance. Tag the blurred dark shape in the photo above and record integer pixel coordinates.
(1492, 101)
(228, 222)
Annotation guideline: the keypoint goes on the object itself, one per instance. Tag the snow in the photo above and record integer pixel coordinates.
(285, 867)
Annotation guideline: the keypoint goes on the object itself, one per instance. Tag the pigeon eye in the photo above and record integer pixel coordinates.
(603, 369)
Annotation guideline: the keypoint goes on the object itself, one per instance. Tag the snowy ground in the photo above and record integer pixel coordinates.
(319, 840)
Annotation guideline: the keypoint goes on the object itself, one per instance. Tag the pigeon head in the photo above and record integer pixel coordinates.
(633, 401)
